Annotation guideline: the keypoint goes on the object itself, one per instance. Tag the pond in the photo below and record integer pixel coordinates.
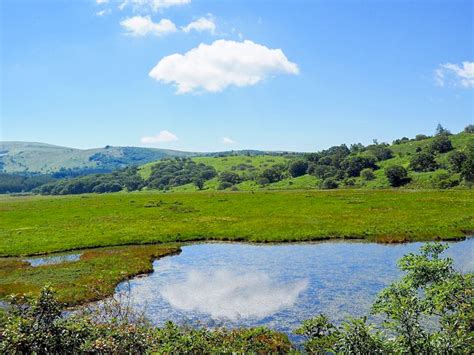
(53, 259)
(279, 286)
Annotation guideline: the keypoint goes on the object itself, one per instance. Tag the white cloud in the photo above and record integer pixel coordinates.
(153, 5)
(221, 64)
(228, 294)
(162, 137)
(101, 1)
(227, 140)
(143, 25)
(456, 74)
(103, 12)
(200, 25)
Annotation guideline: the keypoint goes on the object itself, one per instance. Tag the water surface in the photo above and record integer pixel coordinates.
(273, 285)
(53, 259)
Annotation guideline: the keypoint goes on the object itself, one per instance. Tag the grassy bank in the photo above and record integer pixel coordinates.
(35, 225)
(91, 278)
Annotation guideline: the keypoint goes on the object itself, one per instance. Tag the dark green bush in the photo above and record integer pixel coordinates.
(397, 175)
(329, 183)
(423, 161)
(367, 174)
(298, 168)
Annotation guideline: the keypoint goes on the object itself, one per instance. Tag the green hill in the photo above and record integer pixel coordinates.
(250, 166)
(26, 157)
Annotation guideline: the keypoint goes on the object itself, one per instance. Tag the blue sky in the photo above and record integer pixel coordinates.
(278, 75)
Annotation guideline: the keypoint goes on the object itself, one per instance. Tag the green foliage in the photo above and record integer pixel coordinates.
(10, 183)
(273, 174)
(367, 174)
(176, 172)
(396, 175)
(379, 151)
(469, 128)
(329, 183)
(420, 137)
(423, 161)
(38, 326)
(456, 160)
(429, 311)
(441, 144)
(353, 165)
(98, 183)
(298, 168)
(228, 179)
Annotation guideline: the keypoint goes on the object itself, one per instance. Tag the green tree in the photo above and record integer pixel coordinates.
(367, 174)
(469, 128)
(441, 144)
(230, 177)
(298, 168)
(440, 130)
(199, 183)
(353, 165)
(397, 175)
(423, 161)
(329, 183)
(456, 160)
(272, 174)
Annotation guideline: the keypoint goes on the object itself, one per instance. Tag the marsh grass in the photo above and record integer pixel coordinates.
(39, 225)
(92, 278)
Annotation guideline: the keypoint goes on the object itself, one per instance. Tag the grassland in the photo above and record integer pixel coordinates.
(91, 278)
(36, 224)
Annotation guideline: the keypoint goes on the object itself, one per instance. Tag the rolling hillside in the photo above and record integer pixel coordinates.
(402, 153)
(22, 157)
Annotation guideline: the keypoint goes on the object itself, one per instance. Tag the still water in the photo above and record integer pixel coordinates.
(273, 285)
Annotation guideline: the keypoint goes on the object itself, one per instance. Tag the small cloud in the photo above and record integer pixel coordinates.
(200, 25)
(101, 1)
(153, 5)
(227, 140)
(103, 12)
(162, 137)
(455, 74)
(122, 5)
(214, 67)
(143, 25)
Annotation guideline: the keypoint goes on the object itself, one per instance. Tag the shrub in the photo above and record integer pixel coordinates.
(431, 289)
(423, 161)
(367, 174)
(349, 182)
(330, 183)
(224, 185)
(273, 174)
(420, 137)
(380, 151)
(441, 144)
(355, 164)
(469, 128)
(323, 171)
(298, 168)
(456, 160)
(37, 326)
(397, 175)
(229, 177)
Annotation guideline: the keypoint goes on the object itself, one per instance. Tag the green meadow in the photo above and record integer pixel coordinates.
(37, 224)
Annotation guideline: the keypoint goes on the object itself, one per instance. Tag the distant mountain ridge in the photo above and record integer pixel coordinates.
(32, 157)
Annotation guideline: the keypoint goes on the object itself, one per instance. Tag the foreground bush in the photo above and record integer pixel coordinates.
(429, 311)
(39, 326)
